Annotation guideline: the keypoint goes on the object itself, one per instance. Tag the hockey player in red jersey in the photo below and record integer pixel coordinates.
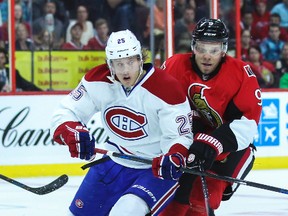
(226, 103)
(141, 118)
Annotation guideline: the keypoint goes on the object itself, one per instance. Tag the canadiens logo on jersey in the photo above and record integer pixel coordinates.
(196, 93)
(126, 123)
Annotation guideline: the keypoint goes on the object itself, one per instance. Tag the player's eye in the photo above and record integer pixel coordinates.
(200, 50)
(215, 51)
(120, 65)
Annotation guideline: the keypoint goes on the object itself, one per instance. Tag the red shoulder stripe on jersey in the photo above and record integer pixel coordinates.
(165, 87)
(98, 73)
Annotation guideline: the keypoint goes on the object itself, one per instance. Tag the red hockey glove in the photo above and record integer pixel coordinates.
(205, 148)
(77, 137)
(168, 166)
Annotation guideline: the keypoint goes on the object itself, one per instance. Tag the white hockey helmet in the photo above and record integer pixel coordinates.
(122, 44)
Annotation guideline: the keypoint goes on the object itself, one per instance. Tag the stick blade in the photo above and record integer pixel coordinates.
(54, 185)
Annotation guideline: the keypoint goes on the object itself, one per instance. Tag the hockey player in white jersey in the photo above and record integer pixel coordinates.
(145, 113)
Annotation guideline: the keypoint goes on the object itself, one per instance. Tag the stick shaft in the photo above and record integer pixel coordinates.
(54, 185)
(196, 172)
(205, 189)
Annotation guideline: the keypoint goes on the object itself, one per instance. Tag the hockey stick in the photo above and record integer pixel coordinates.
(54, 185)
(196, 172)
(205, 190)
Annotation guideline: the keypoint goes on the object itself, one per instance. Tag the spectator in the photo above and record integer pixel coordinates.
(261, 33)
(4, 72)
(4, 10)
(180, 5)
(272, 45)
(75, 43)
(179, 8)
(39, 25)
(18, 13)
(125, 16)
(46, 41)
(21, 83)
(246, 42)
(247, 19)
(282, 10)
(282, 67)
(23, 42)
(82, 18)
(200, 7)
(120, 14)
(227, 14)
(260, 15)
(60, 13)
(264, 70)
(184, 28)
(25, 8)
(98, 42)
(159, 25)
(37, 8)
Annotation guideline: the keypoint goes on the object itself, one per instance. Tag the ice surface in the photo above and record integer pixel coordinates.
(247, 201)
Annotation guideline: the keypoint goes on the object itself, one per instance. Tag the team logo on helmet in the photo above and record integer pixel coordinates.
(126, 123)
(196, 93)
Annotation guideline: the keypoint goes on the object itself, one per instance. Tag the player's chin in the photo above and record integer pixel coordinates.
(126, 82)
(206, 69)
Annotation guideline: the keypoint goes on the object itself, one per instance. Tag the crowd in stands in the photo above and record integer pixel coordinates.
(86, 25)
(267, 24)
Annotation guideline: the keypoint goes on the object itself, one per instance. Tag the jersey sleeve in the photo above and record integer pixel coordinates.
(175, 126)
(77, 106)
(243, 115)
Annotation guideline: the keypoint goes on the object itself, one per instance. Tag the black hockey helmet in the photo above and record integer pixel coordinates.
(213, 30)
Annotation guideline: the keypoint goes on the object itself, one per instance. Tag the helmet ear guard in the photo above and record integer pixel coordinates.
(211, 30)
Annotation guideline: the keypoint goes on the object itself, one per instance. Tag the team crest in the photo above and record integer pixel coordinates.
(196, 93)
(126, 123)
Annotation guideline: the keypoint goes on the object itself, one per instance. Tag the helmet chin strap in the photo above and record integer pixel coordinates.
(141, 72)
(112, 77)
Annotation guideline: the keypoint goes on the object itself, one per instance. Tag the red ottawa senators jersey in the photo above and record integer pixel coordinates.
(226, 103)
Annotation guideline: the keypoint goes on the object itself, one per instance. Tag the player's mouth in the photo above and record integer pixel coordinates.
(126, 78)
(206, 65)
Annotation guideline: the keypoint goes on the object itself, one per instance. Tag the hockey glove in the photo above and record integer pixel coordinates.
(76, 136)
(205, 148)
(168, 166)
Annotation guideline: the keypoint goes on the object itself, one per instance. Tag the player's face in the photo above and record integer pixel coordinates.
(127, 70)
(208, 55)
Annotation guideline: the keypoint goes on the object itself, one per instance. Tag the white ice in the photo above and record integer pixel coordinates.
(247, 201)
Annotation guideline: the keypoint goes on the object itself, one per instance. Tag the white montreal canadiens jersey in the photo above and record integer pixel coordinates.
(146, 122)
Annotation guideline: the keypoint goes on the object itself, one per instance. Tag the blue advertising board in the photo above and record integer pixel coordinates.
(268, 128)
